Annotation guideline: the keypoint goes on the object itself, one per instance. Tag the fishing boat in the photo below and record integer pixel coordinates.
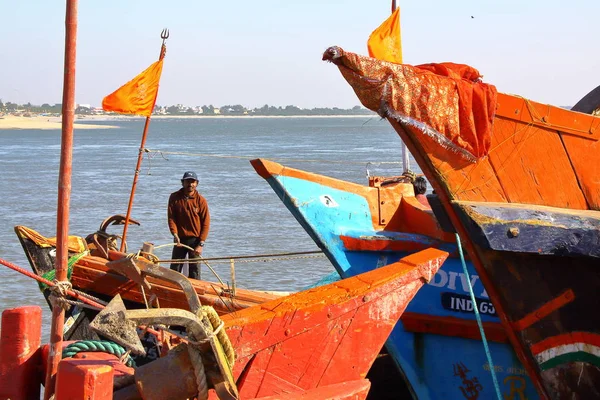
(519, 182)
(316, 341)
(361, 228)
(95, 270)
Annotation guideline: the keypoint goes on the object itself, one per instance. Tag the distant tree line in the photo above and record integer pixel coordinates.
(206, 110)
(28, 107)
(266, 110)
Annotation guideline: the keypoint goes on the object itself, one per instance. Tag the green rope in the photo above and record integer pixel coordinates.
(478, 317)
(51, 275)
(97, 346)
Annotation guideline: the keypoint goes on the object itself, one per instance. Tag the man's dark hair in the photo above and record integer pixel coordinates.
(420, 185)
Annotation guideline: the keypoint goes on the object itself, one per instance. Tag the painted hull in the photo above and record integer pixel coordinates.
(437, 335)
(91, 275)
(318, 342)
(526, 209)
(326, 335)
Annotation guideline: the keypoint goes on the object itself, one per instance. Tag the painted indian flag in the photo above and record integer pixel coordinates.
(570, 347)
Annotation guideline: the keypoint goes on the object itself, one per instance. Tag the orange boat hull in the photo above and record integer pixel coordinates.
(527, 210)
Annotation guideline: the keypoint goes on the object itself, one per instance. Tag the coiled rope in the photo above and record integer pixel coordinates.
(103, 346)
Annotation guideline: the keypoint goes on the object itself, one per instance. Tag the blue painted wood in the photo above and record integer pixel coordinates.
(523, 228)
(435, 366)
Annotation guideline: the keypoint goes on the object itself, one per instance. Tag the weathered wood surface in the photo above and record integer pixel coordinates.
(524, 228)
(91, 275)
(352, 390)
(551, 302)
(540, 155)
(327, 335)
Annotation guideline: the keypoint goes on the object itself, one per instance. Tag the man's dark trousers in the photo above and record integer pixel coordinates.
(180, 253)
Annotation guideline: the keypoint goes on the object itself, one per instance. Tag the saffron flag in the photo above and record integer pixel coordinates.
(385, 42)
(138, 95)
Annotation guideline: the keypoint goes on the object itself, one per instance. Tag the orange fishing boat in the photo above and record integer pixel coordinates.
(315, 344)
(92, 271)
(519, 181)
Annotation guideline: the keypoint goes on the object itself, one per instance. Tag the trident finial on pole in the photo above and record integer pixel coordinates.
(164, 35)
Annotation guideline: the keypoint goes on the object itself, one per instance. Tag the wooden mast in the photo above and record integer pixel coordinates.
(64, 191)
(163, 50)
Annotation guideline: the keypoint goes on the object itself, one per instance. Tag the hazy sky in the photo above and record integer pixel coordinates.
(269, 52)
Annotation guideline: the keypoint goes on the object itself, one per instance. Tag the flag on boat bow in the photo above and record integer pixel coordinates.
(137, 96)
(385, 42)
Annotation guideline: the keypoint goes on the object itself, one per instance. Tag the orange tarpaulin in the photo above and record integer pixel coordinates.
(138, 95)
(385, 41)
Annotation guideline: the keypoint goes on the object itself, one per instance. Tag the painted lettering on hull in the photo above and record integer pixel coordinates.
(458, 281)
(462, 303)
(516, 388)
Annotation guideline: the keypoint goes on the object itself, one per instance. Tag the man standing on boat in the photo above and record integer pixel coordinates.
(189, 223)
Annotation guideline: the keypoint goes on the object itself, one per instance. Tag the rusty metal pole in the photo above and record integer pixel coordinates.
(163, 50)
(64, 191)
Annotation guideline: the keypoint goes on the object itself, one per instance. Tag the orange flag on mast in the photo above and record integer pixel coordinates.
(138, 95)
(385, 42)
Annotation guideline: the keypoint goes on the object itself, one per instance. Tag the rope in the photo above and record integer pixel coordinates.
(162, 153)
(478, 317)
(59, 291)
(104, 346)
(241, 259)
(217, 325)
(195, 351)
(196, 359)
(58, 294)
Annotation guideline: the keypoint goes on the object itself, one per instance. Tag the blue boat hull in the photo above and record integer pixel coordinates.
(435, 366)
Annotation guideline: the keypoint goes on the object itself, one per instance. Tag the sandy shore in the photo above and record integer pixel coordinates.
(46, 123)
(40, 122)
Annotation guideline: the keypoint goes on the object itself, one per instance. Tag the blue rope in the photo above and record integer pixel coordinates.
(478, 317)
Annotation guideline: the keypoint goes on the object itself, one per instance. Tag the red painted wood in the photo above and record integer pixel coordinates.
(82, 379)
(551, 306)
(326, 335)
(353, 390)
(64, 187)
(450, 326)
(20, 357)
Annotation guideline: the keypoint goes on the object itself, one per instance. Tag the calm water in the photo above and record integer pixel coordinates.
(247, 217)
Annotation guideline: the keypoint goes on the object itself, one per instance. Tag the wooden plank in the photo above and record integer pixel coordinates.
(520, 154)
(524, 228)
(99, 282)
(352, 390)
(451, 326)
(586, 162)
(463, 179)
(550, 117)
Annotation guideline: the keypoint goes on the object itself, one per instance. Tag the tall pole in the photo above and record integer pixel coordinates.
(405, 152)
(163, 50)
(64, 191)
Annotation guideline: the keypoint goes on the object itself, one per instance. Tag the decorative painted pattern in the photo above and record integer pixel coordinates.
(570, 347)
